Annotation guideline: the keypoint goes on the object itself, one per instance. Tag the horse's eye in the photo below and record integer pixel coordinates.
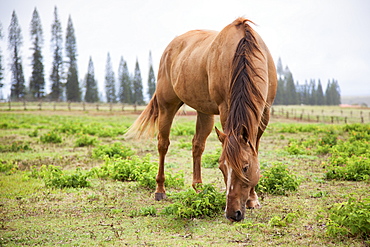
(245, 169)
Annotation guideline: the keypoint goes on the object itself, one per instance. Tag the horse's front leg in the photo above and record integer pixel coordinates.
(203, 129)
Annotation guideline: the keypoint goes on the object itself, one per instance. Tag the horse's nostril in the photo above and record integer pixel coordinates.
(238, 215)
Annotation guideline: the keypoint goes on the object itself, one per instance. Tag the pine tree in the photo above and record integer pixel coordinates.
(56, 76)
(91, 94)
(328, 96)
(334, 91)
(15, 40)
(1, 60)
(279, 68)
(110, 83)
(72, 86)
(37, 81)
(312, 90)
(125, 89)
(151, 78)
(320, 99)
(137, 86)
(290, 90)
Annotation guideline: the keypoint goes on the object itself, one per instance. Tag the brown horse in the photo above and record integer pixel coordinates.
(230, 73)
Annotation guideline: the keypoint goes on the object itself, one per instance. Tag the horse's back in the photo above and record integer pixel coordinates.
(183, 70)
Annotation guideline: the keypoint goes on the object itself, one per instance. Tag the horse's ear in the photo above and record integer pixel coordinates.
(221, 136)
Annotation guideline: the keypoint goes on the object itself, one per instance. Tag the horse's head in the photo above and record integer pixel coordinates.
(240, 167)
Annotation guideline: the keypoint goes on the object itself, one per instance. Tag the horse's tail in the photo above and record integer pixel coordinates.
(147, 123)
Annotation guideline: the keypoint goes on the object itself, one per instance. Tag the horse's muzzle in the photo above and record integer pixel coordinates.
(238, 216)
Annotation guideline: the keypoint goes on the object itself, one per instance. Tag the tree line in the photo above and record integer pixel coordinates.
(65, 85)
(310, 93)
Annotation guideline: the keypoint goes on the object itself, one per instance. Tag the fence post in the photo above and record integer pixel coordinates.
(83, 106)
(362, 119)
(97, 106)
(55, 105)
(345, 120)
(110, 106)
(40, 105)
(10, 105)
(69, 105)
(317, 117)
(332, 119)
(24, 105)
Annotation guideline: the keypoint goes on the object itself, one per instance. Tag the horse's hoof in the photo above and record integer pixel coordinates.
(160, 196)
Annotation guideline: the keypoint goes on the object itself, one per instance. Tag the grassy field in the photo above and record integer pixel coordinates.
(39, 146)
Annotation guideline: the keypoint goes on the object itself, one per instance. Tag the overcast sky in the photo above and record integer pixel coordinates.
(316, 39)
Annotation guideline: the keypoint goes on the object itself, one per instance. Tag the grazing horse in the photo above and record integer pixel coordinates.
(229, 73)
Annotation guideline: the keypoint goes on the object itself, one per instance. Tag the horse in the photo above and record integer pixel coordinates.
(229, 73)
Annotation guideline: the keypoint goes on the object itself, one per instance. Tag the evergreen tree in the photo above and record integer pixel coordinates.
(290, 90)
(72, 86)
(56, 75)
(15, 40)
(280, 92)
(37, 81)
(1, 60)
(110, 84)
(91, 94)
(137, 86)
(320, 99)
(279, 68)
(333, 93)
(151, 78)
(125, 89)
(313, 98)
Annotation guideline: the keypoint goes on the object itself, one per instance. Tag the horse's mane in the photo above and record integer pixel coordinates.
(244, 100)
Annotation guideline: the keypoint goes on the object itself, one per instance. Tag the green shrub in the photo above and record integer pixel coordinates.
(7, 166)
(190, 204)
(142, 170)
(34, 133)
(277, 180)
(85, 140)
(295, 148)
(351, 218)
(51, 137)
(283, 221)
(17, 146)
(54, 176)
(355, 169)
(145, 211)
(183, 130)
(211, 160)
(117, 150)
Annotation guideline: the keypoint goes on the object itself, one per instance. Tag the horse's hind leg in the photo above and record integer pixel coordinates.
(165, 118)
(203, 129)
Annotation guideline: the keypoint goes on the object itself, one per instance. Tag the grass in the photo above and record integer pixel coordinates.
(114, 213)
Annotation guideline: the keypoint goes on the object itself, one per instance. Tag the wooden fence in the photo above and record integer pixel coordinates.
(68, 106)
(320, 114)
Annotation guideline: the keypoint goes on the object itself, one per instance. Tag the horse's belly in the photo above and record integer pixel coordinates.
(196, 95)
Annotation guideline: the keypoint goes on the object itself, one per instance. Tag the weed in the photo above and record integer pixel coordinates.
(53, 176)
(277, 180)
(351, 218)
(145, 211)
(211, 160)
(85, 140)
(51, 137)
(117, 150)
(136, 169)
(190, 204)
(7, 166)
(17, 146)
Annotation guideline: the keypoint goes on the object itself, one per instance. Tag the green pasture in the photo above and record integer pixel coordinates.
(68, 177)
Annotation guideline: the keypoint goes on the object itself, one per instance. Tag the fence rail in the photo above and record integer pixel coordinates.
(321, 114)
(67, 106)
